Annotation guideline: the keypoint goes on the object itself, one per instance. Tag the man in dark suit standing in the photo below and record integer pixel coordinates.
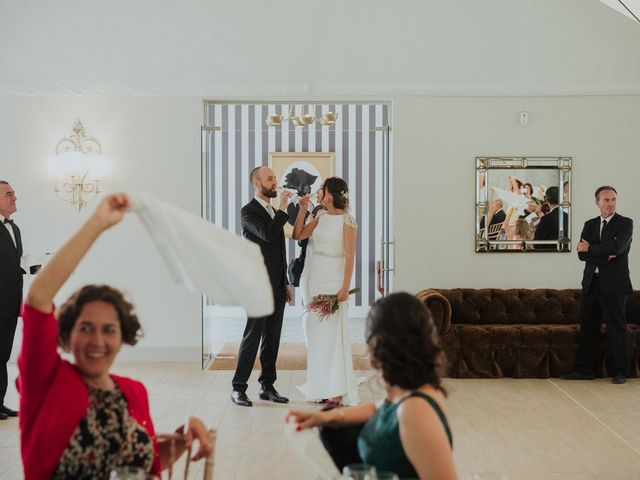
(262, 225)
(10, 286)
(548, 228)
(604, 247)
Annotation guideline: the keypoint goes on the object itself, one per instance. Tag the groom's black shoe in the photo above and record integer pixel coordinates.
(240, 398)
(8, 412)
(270, 393)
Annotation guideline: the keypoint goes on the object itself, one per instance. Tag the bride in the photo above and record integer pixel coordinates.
(328, 270)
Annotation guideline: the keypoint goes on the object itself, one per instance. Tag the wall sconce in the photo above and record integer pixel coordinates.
(77, 167)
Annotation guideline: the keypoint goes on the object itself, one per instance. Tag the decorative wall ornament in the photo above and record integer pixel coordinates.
(77, 167)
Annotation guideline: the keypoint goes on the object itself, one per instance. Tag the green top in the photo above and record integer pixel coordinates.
(379, 441)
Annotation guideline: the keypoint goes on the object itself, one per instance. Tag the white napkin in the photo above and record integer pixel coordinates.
(309, 447)
(207, 259)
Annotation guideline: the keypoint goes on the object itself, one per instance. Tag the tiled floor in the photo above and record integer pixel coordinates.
(524, 429)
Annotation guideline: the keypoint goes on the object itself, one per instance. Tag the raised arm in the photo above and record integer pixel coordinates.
(350, 232)
(49, 280)
(300, 230)
(258, 225)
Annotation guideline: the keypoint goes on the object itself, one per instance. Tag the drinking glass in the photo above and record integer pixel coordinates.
(387, 476)
(128, 473)
(489, 476)
(359, 471)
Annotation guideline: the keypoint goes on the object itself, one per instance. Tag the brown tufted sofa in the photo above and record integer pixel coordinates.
(519, 333)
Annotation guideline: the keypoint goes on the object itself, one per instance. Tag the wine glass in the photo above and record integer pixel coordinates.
(489, 476)
(128, 473)
(387, 476)
(359, 471)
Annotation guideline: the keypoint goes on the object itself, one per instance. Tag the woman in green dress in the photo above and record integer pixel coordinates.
(406, 433)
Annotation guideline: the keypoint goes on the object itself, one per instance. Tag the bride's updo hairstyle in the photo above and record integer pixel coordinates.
(403, 342)
(339, 190)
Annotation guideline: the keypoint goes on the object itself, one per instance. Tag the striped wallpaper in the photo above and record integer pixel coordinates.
(244, 142)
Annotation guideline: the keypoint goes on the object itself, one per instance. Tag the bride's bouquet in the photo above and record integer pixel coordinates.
(326, 305)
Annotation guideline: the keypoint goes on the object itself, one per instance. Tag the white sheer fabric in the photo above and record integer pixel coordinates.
(207, 259)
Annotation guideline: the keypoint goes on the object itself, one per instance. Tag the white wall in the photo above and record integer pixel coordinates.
(153, 144)
(436, 142)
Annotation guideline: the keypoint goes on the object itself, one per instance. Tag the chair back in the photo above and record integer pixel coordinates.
(176, 439)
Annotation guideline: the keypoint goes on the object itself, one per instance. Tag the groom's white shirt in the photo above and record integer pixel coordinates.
(267, 206)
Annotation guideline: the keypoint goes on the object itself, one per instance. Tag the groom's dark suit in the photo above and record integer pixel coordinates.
(604, 293)
(268, 233)
(10, 296)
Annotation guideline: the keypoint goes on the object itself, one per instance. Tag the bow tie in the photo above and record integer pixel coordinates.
(6, 220)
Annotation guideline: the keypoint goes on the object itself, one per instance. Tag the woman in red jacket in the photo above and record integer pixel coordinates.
(76, 419)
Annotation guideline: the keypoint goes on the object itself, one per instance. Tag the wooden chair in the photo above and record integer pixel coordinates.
(176, 449)
(494, 230)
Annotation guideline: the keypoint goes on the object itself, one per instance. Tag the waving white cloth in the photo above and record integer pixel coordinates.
(519, 202)
(207, 259)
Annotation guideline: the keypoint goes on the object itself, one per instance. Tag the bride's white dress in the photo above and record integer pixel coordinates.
(329, 362)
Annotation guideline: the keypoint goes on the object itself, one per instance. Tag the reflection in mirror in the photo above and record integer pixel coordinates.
(523, 204)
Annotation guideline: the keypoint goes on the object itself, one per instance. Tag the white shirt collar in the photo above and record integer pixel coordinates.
(266, 205)
(608, 219)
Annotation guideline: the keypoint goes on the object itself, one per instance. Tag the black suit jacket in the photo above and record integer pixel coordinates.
(616, 240)
(10, 272)
(547, 229)
(259, 227)
(497, 217)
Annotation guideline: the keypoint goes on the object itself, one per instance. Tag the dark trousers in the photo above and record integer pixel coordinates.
(596, 306)
(263, 332)
(342, 444)
(7, 332)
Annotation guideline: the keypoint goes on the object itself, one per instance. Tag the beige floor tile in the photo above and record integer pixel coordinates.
(9, 457)
(526, 429)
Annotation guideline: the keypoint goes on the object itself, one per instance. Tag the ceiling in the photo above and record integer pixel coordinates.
(288, 48)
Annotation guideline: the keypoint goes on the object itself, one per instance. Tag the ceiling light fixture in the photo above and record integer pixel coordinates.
(302, 120)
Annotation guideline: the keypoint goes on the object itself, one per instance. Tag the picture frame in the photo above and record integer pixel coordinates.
(513, 195)
(302, 173)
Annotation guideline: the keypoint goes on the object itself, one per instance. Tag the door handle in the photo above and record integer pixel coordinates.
(380, 275)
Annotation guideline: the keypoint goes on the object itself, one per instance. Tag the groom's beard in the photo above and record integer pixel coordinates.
(269, 193)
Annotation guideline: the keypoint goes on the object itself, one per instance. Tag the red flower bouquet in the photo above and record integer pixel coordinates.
(326, 305)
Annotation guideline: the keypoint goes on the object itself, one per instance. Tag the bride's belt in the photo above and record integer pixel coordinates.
(326, 254)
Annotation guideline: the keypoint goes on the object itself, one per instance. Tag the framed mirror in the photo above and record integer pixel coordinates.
(523, 204)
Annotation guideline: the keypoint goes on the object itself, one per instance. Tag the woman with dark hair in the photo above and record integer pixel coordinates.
(328, 270)
(528, 190)
(77, 420)
(407, 433)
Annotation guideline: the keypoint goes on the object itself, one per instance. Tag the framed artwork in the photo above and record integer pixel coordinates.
(302, 173)
(523, 204)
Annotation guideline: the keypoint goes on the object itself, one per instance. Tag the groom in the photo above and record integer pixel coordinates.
(262, 225)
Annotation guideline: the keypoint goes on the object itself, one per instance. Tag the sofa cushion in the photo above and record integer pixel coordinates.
(534, 333)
